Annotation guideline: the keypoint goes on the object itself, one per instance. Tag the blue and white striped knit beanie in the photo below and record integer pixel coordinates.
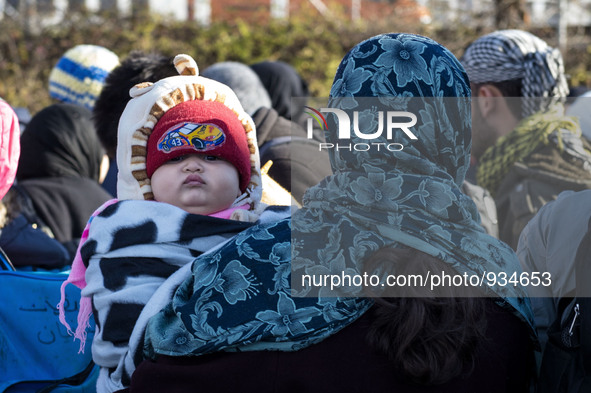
(79, 75)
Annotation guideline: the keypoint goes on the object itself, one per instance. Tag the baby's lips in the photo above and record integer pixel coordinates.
(194, 178)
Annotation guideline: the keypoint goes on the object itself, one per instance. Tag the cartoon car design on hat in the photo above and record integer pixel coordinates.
(202, 137)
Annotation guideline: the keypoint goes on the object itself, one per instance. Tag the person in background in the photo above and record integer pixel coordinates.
(22, 237)
(296, 162)
(525, 149)
(547, 246)
(136, 68)
(283, 83)
(79, 75)
(550, 240)
(60, 169)
(243, 81)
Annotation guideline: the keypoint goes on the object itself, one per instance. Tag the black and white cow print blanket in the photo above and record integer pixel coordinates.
(128, 256)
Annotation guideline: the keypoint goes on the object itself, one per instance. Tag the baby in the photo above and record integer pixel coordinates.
(198, 159)
(189, 180)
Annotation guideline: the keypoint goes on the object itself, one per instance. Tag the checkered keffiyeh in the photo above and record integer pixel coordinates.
(514, 54)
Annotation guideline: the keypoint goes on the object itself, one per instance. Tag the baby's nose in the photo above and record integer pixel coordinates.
(193, 163)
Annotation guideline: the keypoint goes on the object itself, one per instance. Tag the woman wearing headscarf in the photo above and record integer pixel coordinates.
(59, 170)
(403, 212)
(381, 210)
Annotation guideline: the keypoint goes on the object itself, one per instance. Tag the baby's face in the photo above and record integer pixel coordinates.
(197, 183)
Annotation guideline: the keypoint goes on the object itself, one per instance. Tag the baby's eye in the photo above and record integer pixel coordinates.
(177, 159)
(211, 158)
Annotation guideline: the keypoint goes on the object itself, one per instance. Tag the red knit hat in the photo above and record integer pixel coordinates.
(199, 126)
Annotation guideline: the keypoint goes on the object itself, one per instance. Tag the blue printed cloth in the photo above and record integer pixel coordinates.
(409, 198)
(239, 297)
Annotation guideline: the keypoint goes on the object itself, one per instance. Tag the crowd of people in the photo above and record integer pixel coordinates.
(190, 206)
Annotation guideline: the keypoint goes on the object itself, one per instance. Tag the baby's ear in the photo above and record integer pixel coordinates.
(140, 89)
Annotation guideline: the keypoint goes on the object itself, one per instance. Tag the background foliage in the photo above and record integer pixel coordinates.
(313, 45)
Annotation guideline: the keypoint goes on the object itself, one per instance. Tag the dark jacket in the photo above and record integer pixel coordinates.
(26, 239)
(59, 168)
(26, 244)
(297, 162)
(65, 204)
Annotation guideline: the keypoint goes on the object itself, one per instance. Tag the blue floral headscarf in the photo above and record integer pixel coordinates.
(409, 198)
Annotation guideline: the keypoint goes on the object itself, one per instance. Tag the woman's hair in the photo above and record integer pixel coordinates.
(430, 339)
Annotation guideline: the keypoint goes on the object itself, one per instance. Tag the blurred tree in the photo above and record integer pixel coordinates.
(511, 14)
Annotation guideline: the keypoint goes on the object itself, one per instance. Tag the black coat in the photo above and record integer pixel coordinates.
(26, 244)
(343, 362)
(65, 203)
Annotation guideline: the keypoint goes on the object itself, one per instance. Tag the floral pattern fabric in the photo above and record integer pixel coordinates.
(409, 198)
(239, 298)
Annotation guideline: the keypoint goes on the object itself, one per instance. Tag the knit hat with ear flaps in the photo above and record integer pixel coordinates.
(149, 105)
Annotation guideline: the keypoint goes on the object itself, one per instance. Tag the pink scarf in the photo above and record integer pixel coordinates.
(77, 277)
